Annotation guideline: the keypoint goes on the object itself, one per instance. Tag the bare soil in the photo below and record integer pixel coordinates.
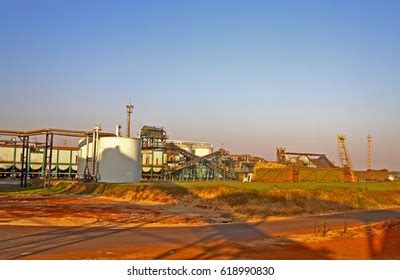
(78, 211)
(171, 223)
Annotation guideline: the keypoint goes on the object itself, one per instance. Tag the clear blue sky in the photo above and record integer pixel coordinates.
(251, 75)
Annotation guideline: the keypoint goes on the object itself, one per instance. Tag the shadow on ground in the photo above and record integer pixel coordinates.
(212, 241)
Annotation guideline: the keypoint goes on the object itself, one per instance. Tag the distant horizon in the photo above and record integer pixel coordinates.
(250, 76)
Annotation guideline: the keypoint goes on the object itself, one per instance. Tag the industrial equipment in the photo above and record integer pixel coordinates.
(154, 158)
(343, 153)
(48, 134)
(182, 160)
(218, 165)
(344, 156)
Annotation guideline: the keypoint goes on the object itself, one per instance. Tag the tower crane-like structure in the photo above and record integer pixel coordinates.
(344, 156)
(343, 153)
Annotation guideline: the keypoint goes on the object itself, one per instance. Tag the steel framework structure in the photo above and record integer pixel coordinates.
(343, 153)
(153, 141)
(215, 166)
(49, 134)
(345, 156)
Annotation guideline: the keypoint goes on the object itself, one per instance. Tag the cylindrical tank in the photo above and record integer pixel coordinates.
(118, 159)
(202, 150)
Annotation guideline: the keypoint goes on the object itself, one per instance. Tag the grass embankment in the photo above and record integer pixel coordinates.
(242, 200)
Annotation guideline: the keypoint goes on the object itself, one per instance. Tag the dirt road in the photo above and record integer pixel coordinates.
(263, 240)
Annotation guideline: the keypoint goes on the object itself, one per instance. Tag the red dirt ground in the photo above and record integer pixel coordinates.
(17, 235)
(69, 211)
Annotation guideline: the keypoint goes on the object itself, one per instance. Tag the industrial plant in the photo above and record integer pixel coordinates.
(115, 158)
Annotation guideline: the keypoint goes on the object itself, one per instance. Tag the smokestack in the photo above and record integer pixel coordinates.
(369, 156)
(118, 130)
(129, 111)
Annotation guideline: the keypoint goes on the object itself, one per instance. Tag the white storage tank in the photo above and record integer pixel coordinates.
(199, 149)
(118, 159)
(203, 149)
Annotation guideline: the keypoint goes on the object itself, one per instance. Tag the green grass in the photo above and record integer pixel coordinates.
(242, 199)
(304, 185)
(35, 187)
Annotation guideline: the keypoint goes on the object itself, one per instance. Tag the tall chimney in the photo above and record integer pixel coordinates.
(129, 111)
(118, 130)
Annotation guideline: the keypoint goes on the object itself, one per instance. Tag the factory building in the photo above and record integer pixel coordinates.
(100, 156)
(311, 160)
(371, 175)
(108, 157)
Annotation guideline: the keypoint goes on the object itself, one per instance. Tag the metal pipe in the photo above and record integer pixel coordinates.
(26, 161)
(22, 163)
(97, 150)
(94, 146)
(86, 172)
(54, 131)
(70, 164)
(28, 165)
(44, 164)
(94, 154)
(50, 160)
(57, 163)
(11, 132)
(14, 167)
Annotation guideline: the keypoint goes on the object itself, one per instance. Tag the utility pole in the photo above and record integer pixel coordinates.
(129, 111)
(369, 138)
